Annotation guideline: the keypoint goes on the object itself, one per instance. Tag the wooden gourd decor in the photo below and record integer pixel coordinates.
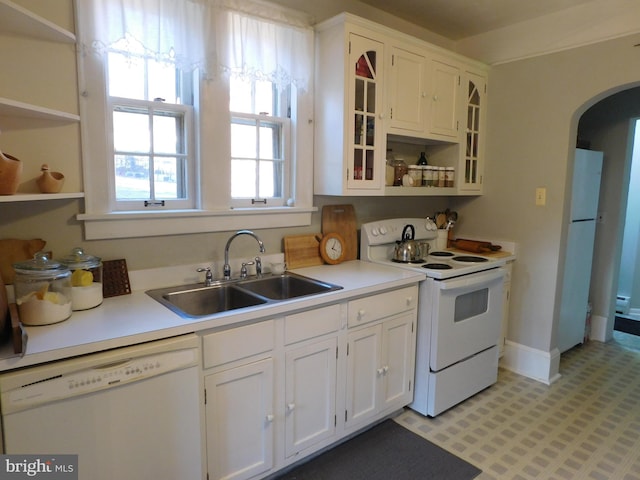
(49, 182)
(10, 172)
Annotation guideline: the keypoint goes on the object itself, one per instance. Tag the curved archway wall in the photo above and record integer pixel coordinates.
(534, 108)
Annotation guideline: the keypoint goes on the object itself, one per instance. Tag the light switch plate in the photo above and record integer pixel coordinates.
(541, 196)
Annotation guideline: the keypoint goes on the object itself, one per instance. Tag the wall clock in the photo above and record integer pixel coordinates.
(332, 248)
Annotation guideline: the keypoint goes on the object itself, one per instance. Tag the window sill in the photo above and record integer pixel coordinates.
(176, 222)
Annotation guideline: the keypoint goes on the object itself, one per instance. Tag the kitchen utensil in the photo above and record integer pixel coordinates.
(441, 219)
(475, 246)
(408, 249)
(342, 219)
(302, 251)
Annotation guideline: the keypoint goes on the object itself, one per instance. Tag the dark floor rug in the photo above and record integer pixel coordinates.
(388, 451)
(627, 325)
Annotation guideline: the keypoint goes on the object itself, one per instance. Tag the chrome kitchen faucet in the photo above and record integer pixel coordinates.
(227, 267)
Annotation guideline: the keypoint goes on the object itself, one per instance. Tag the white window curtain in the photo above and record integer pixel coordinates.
(248, 38)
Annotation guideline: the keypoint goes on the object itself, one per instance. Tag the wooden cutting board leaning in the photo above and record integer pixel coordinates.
(342, 219)
(302, 250)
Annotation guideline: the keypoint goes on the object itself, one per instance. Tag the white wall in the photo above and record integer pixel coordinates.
(607, 125)
(534, 107)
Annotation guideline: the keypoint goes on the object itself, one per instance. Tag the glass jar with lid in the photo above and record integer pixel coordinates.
(86, 279)
(42, 290)
(400, 169)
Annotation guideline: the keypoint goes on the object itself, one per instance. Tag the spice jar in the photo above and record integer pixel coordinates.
(415, 172)
(449, 176)
(86, 279)
(399, 171)
(43, 290)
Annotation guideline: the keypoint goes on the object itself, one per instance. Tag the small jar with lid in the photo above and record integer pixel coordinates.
(449, 176)
(441, 179)
(415, 173)
(399, 171)
(86, 279)
(42, 290)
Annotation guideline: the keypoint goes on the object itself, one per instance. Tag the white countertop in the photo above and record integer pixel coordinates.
(136, 318)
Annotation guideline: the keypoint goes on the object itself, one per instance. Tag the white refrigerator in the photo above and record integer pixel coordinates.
(579, 253)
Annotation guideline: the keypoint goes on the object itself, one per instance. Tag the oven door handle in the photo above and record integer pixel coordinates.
(473, 279)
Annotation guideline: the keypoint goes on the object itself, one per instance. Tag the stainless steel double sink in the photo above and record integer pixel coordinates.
(198, 300)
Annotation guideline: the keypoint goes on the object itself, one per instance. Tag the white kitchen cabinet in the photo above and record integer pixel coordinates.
(240, 416)
(443, 96)
(349, 129)
(380, 355)
(416, 95)
(310, 397)
(30, 41)
(380, 367)
(471, 167)
(278, 390)
(506, 298)
(407, 91)
(239, 400)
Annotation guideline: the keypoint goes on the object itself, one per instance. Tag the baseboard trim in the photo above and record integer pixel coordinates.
(599, 329)
(536, 364)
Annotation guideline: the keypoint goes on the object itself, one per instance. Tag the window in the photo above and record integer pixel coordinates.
(158, 145)
(259, 143)
(151, 119)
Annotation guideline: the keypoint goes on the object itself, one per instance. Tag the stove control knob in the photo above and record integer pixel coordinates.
(374, 232)
(383, 231)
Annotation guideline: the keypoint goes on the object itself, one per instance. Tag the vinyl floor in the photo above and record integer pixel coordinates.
(584, 426)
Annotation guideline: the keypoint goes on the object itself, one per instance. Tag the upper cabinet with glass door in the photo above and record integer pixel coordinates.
(349, 137)
(471, 167)
(379, 89)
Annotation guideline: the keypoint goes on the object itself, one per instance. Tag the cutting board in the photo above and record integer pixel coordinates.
(342, 219)
(302, 250)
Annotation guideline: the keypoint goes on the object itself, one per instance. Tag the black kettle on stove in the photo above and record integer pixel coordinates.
(407, 249)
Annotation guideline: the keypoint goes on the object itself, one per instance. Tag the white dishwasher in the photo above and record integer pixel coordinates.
(132, 413)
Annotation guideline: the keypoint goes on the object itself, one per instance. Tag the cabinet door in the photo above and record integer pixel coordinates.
(443, 89)
(363, 371)
(471, 167)
(239, 412)
(398, 360)
(407, 92)
(310, 394)
(365, 139)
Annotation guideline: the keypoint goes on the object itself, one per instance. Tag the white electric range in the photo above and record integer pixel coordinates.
(459, 313)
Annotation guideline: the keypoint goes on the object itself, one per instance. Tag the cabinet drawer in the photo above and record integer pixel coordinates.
(237, 343)
(312, 323)
(368, 309)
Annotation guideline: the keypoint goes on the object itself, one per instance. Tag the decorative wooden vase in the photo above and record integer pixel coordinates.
(49, 182)
(10, 172)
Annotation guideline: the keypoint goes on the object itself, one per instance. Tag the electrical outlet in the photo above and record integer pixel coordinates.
(541, 196)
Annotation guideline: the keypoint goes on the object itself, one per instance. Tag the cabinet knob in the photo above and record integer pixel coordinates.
(385, 369)
(361, 314)
(291, 407)
(270, 418)
(424, 94)
(409, 300)
(380, 370)
(435, 98)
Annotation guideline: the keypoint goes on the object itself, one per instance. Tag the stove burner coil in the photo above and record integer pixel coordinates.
(469, 259)
(407, 262)
(437, 266)
(441, 254)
